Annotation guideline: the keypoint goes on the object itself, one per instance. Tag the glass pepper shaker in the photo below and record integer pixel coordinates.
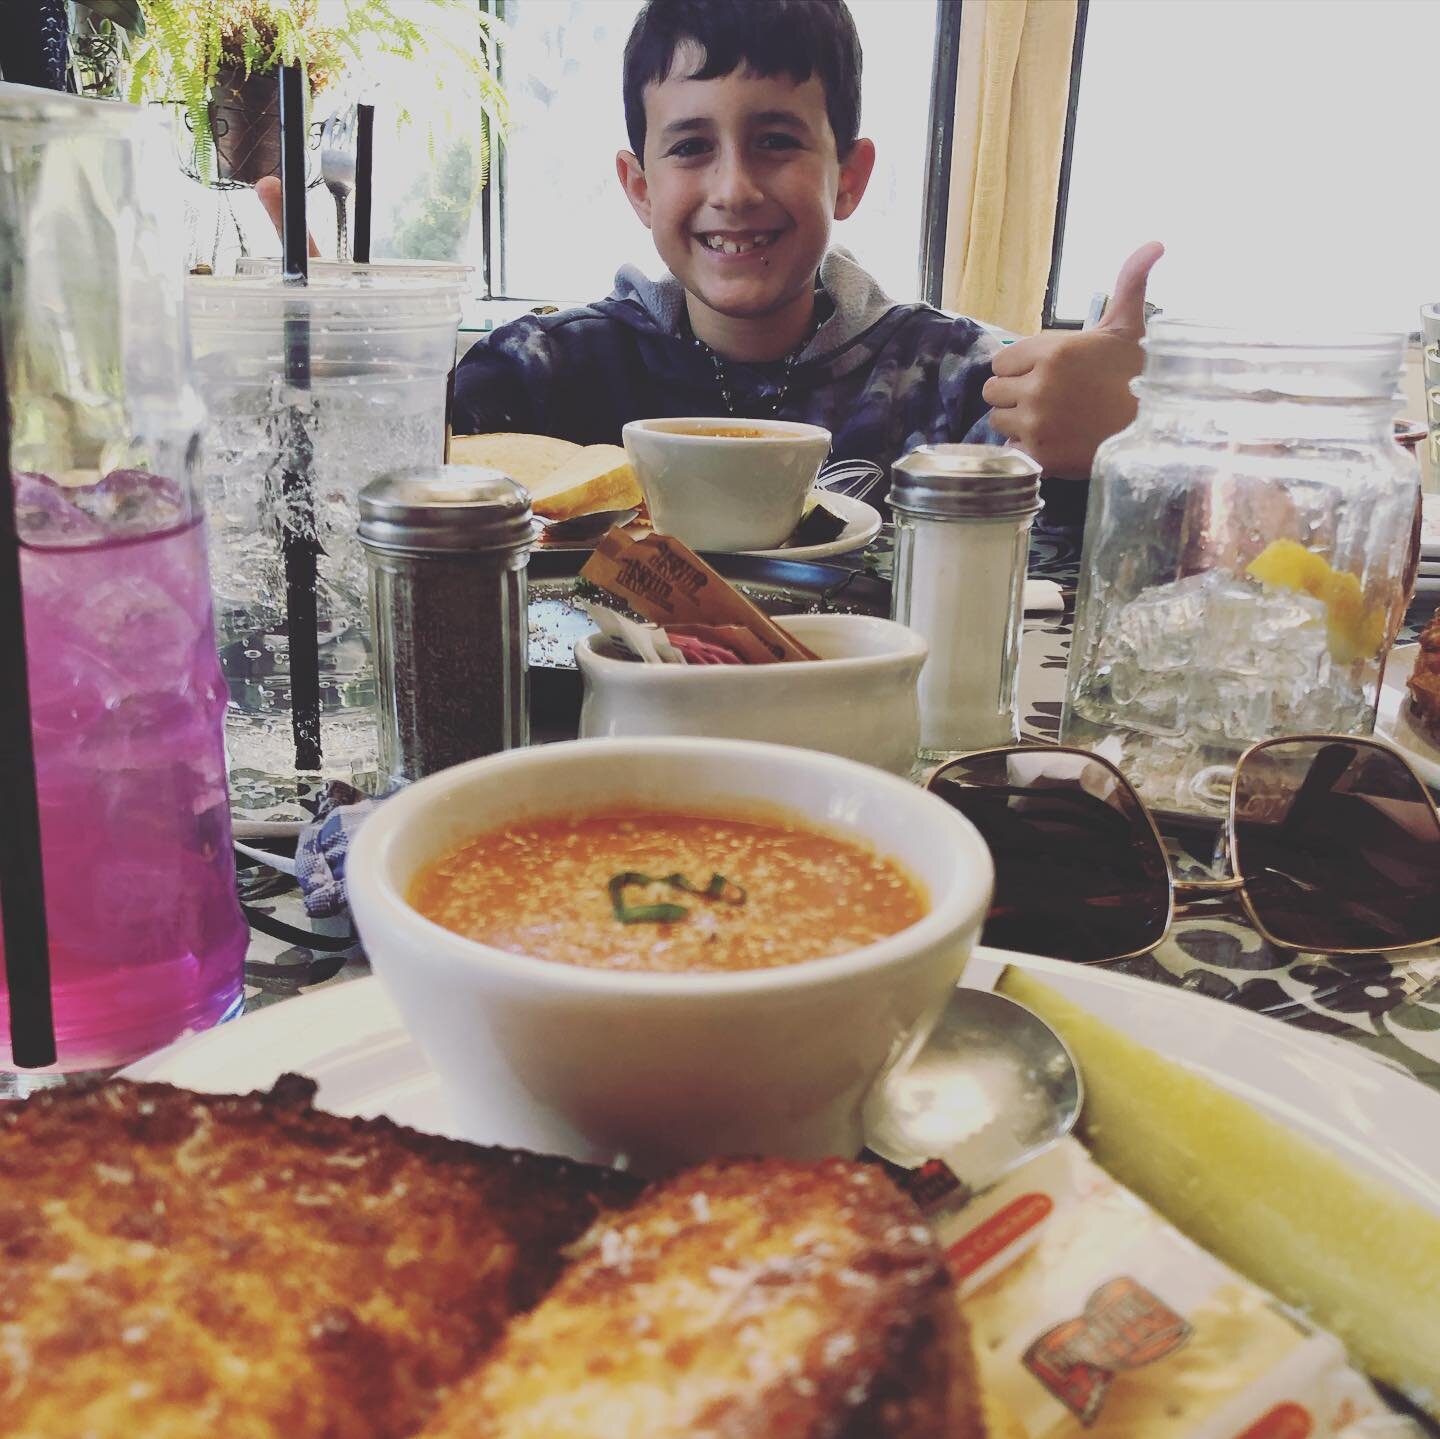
(962, 523)
(447, 549)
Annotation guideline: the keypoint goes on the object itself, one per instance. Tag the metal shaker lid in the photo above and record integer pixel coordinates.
(446, 508)
(965, 482)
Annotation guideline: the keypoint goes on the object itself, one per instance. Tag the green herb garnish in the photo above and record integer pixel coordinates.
(725, 890)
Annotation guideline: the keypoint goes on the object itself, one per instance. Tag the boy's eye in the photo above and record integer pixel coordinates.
(779, 140)
(687, 149)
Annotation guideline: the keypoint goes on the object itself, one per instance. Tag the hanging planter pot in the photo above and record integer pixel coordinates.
(245, 124)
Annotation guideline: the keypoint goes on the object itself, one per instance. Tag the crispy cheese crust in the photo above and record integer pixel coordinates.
(740, 1300)
(175, 1265)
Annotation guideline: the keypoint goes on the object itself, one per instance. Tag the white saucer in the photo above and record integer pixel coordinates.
(349, 1039)
(862, 524)
(1394, 722)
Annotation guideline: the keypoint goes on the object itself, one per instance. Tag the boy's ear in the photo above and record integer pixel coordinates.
(855, 170)
(634, 183)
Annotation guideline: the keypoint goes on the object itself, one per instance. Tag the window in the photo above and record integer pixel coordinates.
(1280, 149)
(559, 224)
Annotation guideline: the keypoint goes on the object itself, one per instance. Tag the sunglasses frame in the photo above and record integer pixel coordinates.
(1182, 893)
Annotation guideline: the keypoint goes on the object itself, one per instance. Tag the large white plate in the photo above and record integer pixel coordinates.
(1394, 722)
(862, 524)
(350, 1040)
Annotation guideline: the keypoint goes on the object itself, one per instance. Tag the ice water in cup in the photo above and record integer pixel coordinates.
(146, 935)
(380, 351)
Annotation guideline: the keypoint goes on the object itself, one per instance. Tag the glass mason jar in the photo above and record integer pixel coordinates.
(1244, 551)
(146, 937)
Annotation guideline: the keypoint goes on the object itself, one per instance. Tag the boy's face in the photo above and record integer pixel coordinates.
(739, 186)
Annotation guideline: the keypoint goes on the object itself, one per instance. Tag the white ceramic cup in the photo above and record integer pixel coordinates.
(725, 490)
(858, 700)
(658, 1070)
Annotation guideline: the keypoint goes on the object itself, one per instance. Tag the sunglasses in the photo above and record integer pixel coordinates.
(1334, 845)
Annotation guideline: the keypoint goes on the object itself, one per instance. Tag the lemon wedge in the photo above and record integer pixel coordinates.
(1355, 630)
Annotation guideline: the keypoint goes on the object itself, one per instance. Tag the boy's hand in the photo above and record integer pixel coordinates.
(270, 194)
(1057, 395)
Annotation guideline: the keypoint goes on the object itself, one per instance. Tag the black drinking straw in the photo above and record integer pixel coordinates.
(298, 539)
(364, 164)
(22, 880)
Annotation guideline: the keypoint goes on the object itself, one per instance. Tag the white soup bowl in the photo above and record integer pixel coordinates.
(657, 1070)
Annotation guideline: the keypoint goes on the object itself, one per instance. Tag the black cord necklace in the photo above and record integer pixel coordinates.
(787, 364)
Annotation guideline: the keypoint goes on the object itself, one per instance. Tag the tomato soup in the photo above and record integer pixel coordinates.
(668, 892)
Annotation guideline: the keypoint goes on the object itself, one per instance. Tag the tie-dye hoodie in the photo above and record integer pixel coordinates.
(880, 376)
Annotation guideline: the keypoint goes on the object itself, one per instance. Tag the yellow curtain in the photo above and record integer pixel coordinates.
(1005, 167)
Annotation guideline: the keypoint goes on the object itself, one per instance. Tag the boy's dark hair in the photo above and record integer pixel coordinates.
(798, 38)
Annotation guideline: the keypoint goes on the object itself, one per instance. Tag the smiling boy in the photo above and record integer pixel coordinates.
(743, 119)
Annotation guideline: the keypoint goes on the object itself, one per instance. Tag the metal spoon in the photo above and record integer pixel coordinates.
(992, 1086)
(586, 527)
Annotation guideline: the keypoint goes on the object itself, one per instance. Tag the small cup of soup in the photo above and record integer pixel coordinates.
(726, 484)
(651, 951)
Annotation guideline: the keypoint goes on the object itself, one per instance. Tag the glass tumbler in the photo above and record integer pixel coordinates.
(146, 937)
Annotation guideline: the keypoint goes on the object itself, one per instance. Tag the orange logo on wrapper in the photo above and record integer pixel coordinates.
(1284, 1421)
(1124, 1326)
(997, 1233)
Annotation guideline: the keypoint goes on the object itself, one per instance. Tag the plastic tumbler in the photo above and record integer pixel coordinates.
(285, 457)
(146, 938)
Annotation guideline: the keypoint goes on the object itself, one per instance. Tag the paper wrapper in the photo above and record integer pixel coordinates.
(670, 585)
(1091, 1316)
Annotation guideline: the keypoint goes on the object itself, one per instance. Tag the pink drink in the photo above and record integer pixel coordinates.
(146, 934)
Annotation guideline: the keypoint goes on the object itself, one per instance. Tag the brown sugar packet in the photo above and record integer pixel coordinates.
(668, 583)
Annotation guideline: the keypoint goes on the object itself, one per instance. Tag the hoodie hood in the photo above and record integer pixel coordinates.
(656, 306)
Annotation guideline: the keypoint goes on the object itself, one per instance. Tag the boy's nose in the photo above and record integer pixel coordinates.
(733, 186)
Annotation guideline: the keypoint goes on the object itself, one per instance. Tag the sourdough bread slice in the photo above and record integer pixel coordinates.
(176, 1264)
(754, 1298)
(527, 459)
(599, 477)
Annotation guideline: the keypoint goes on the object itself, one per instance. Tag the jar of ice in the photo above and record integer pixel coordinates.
(1245, 547)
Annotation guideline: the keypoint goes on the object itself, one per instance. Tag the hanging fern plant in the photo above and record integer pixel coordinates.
(188, 45)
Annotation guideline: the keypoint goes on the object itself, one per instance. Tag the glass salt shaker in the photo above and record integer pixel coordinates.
(447, 549)
(962, 521)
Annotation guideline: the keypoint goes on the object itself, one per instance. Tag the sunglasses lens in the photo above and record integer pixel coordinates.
(1339, 846)
(1079, 873)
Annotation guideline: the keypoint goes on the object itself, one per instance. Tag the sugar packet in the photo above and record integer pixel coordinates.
(669, 584)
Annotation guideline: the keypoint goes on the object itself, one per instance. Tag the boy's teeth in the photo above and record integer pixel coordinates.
(735, 247)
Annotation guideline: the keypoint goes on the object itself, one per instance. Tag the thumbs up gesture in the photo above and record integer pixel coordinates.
(1057, 395)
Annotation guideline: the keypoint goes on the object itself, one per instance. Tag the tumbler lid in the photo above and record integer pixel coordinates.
(965, 482)
(453, 509)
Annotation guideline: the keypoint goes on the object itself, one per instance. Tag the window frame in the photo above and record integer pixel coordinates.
(1048, 319)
